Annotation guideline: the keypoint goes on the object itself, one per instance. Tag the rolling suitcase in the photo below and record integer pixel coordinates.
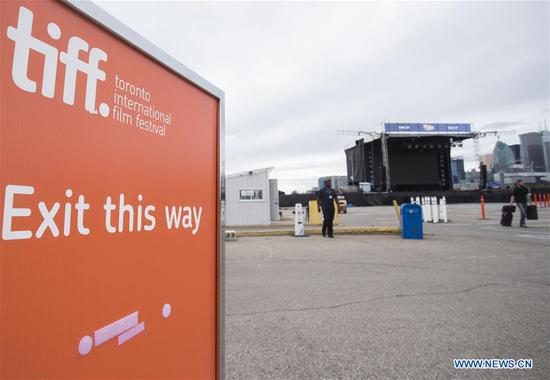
(531, 212)
(507, 215)
(506, 219)
(508, 208)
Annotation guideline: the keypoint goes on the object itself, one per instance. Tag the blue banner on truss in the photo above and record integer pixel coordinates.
(459, 128)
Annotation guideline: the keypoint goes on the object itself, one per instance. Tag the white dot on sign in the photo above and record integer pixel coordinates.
(166, 310)
(140, 198)
(104, 109)
(85, 345)
(54, 31)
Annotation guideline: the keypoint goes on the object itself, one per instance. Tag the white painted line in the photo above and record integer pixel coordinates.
(502, 229)
(116, 328)
(535, 237)
(131, 333)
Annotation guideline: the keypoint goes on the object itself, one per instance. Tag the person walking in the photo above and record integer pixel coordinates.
(327, 200)
(520, 196)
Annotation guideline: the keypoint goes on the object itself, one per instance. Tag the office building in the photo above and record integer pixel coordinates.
(532, 151)
(457, 169)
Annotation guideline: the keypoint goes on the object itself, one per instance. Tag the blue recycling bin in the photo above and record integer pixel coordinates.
(411, 221)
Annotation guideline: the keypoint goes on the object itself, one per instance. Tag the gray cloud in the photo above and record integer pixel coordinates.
(502, 125)
(294, 73)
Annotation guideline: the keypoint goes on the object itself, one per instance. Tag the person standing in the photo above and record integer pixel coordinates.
(327, 199)
(520, 196)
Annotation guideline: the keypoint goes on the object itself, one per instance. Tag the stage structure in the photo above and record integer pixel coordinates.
(406, 156)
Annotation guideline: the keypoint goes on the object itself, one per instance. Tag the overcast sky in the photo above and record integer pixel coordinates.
(295, 73)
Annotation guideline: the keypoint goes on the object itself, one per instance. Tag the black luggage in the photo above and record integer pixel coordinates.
(531, 212)
(506, 219)
(508, 208)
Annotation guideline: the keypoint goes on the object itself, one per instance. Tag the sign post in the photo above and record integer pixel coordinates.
(112, 173)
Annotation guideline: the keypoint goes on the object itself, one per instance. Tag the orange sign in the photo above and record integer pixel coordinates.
(110, 178)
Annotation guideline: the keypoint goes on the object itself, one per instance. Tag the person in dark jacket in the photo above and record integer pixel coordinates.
(520, 196)
(327, 200)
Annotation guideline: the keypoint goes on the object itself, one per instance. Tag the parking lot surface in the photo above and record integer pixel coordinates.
(377, 307)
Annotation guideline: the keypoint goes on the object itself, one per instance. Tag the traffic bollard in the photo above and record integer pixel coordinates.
(298, 220)
(443, 209)
(428, 209)
(435, 211)
(424, 211)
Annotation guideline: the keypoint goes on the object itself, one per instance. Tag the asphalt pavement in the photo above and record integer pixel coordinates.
(380, 307)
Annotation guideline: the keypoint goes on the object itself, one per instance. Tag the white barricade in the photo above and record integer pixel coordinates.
(428, 209)
(443, 210)
(435, 210)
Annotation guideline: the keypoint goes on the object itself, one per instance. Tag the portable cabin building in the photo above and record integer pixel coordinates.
(251, 198)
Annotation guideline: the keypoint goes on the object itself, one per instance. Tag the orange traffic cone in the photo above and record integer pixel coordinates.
(482, 199)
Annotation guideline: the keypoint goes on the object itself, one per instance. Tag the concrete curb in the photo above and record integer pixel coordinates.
(317, 231)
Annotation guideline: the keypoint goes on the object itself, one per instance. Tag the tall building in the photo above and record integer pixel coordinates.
(503, 157)
(472, 176)
(532, 151)
(516, 151)
(487, 159)
(457, 168)
(546, 149)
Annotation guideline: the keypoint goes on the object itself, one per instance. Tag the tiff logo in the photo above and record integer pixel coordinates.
(25, 42)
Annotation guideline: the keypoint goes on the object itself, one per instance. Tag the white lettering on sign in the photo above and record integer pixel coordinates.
(25, 42)
(121, 216)
(131, 103)
(48, 214)
(11, 212)
(126, 212)
(191, 217)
